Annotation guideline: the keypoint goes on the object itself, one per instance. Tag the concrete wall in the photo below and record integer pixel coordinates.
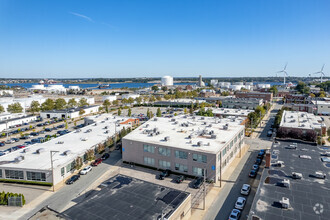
(183, 212)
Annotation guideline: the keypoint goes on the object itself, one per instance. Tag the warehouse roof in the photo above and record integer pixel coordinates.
(303, 120)
(205, 134)
(70, 145)
(231, 111)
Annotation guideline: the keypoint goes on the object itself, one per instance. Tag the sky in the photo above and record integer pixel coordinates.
(152, 38)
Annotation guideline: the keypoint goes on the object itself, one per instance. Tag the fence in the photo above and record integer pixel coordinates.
(15, 201)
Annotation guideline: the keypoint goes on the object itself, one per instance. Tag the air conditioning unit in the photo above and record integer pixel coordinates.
(19, 159)
(167, 138)
(199, 143)
(67, 152)
(40, 150)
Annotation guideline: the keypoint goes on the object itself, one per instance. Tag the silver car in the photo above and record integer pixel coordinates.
(245, 189)
(85, 170)
(240, 203)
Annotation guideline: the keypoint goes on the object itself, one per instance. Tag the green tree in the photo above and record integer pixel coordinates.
(302, 88)
(2, 109)
(119, 111)
(15, 108)
(124, 101)
(152, 99)
(81, 112)
(159, 113)
(34, 107)
(274, 90)
(138, 100)
(72, 103)
(167, 97)
(60, 104)
(106, 105)
(130, 100)
(164, 88)
(148, 112)
(115, 102)
(154, 88)
(48, 105)
(185, 110)
(129, 112)
(83, 102)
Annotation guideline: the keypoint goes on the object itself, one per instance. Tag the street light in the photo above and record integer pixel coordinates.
(51, 161)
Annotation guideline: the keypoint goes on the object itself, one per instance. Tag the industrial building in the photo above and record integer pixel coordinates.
(167, 81)
(177, 102)
(322, 107)
(110, 98)
(302, 121)
(225, 112)
(242, 103)
(129, 95)
(13, 121)
(34, 162)
(291, 187)
(189, 145)
(266, 96)
(69, 113)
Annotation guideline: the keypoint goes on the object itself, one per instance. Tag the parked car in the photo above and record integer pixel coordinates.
(41, 132)
(258, 161)
(34, 133)
(253, 173)
(260, 155)
(15, 139)
(25, 137)
(240, 203)
(85, 170)
(9, 141)
(40, 125)
(36, 140)
(164, 174)
(28, 143)
(320, 175)
(235, 214)
(20, 146)
(198, 182)
(60, 126)
(73, 179)
(2, 143)
(269, 133)
(255, 167)
(48, 129)
(105, 156)
(97, 162)
(179, 179)
(262, 151)
(246, 188)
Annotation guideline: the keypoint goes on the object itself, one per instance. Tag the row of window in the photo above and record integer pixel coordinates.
(19, 175)
(36, 176)
(167, 165)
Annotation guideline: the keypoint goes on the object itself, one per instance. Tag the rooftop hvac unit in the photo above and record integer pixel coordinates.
(147, 125)
(202, 118)
(193, 117)
(26, 150)
(185, 116)
(204, 123)
(40, 150)
(213, 136)
(67, 152)
(60, 142)
(18, 159)
(199, 143)
(107, 119)
(155, 119)
(95, 124)
(102, 121)
(225, 127)
(173, 119)
(167, 138)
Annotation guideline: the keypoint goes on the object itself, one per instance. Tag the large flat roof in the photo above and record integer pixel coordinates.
(302, 120)
(309, 197)
(179, 128)
(70, 142)
(231, 111)
(125, 198)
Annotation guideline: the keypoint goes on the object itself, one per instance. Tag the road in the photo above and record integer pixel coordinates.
(225, 202)
(68, 193)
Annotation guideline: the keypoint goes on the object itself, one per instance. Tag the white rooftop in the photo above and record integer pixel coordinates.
(303, 120)
(186, 131)
(318, 102)
(231, 111)
(71, 141)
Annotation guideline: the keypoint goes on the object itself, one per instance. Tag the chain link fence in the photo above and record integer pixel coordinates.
(15, 201)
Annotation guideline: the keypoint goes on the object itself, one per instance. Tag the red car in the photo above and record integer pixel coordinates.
(97, 162)
(20, 146)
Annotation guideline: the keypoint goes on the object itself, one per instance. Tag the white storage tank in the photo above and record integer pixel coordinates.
(167, 81)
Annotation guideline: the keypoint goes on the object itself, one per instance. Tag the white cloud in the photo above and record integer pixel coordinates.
(82, 16)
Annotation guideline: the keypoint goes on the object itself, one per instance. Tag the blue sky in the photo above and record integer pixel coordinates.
(183, 38)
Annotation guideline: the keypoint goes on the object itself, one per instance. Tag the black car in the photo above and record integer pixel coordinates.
(60, 126)
(34, 133)
(48, 136)
(40, 125)
(105, 156)
(48, 129)
(258, 161)
(179, 179)
(198, 182)
(73, 179)
(260, 155)
(15, 139)
(164, 174)
(253, 173)
(24, 137)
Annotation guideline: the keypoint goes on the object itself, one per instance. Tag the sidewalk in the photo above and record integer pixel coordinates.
(259, 129)
(212, 195)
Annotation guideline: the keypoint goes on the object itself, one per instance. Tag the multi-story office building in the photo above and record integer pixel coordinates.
(189, 145)
(266, 96)
(242, 103)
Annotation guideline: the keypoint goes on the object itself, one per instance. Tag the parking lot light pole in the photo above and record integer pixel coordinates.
(51, 161)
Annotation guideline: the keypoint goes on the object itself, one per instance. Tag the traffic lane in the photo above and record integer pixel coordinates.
(76, 192)
(21, 141)
(235, 191)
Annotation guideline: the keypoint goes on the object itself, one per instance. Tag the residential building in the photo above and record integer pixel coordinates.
(190, 145)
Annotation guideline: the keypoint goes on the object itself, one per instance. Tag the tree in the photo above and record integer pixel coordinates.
(129, 112)
(159, 113)
(164, 88)
(60, 104)
(78, 163)
(185, 110)
(152, 99)
(72, 103)
(115, 102)
(83, 102)
(154, 88)
(2, 109)
(148, 112)
(138, 100)
(124, 101)
(312, 95)
(260, 111)
(34, 107)
(274, 90)
(130, 100)
(159, 98)
(253, 118)
(15, 108)
(106, 105)
(48, 105)
(167, 97)
(81, 112)
(119, 111)
(302, 88)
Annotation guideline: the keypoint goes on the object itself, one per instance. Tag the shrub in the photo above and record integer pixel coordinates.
(26, 182)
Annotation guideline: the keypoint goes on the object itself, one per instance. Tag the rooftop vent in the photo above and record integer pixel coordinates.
(199, 143)
(84, 139)
(60, 142)
(155, 119)
(67, 152)
(213, 136)
(19, 159)
(167, 138)
(40, 150)
(202, 118)
(26, 150)
(173, 119)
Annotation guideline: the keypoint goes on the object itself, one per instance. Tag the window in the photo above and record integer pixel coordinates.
(219, 156)
(181, 154)
(164, 151)
(231, 144)
(0, 173)
(148, 148)
(14, 174)
(235, 140)
(70, 166)
(198, 171)
(164, 164)
(149, 161)
(224, 151)
(181, 167)
(62, 171)
(36, 176)
(200, 158)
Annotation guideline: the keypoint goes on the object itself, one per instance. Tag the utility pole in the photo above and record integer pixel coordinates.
(204, 190)
(220, 167)
(51, 162)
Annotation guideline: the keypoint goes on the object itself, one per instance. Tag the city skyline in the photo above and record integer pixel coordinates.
(111, 39)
